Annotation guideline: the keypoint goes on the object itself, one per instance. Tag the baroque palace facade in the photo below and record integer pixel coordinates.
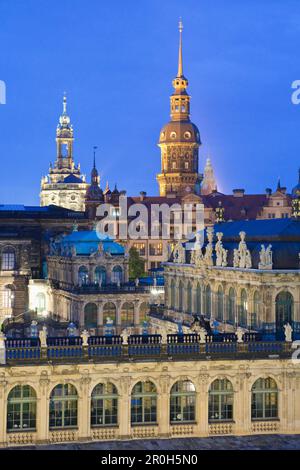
(88, 354)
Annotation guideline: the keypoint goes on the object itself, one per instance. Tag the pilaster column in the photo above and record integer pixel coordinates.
(241, 405)
(202, 405)
(163, 407)
(124, 408)
(84, 407)
(100, 315)
(136, 313)
(3, 401)
(43, 409)
(118, 312)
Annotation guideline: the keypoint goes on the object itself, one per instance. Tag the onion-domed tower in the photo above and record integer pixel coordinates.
(179, 141)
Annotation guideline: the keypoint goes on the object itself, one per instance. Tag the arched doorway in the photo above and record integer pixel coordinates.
(284, 311)
(90, 316)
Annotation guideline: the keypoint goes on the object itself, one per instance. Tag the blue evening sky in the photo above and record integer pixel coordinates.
(116, 61)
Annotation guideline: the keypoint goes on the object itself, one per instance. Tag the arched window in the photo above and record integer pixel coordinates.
(220, 304)
(83, 276)
(198, 299)
(243, 308)
(255, 315)
(231, 305)
(180, 296)
(264, 402)
(173, 290)
(189, 298)
(90, 315)
(21, 409)
(284, 309)
(183, 402)
(220, 401)
(104, 405)
(127, 314)
(109, 311)
(117, 275)
(40, 302)
(8, 297)
(144, 312)
(143, 403)
(208, 301)
(100, 275)
(8, 259)
(63, 407)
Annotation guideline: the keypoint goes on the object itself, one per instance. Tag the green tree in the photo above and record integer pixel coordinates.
(136, 264)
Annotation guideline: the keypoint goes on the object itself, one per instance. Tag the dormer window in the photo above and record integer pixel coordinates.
(173, 135)
(187, 135)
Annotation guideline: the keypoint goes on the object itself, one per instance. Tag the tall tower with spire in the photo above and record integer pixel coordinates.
(94, 194)
(179, 141)
(64, 185)
(209, 181)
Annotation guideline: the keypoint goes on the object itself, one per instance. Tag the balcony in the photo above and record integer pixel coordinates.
(140, 348)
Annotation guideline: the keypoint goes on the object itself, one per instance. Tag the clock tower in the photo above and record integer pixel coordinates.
(179, 141)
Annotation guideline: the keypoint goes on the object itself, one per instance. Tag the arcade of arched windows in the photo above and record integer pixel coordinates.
(246, 305)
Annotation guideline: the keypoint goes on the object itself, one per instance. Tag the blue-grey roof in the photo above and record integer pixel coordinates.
(72, 179)
(87, 242)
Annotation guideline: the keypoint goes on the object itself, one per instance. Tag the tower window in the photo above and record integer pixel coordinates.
(173, 165)
(187, 135)
(173, 135)
(186, 165)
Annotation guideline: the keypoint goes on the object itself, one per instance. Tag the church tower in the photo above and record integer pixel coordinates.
(94, 195)
(64, 186)
(179, 141)
(209, 181)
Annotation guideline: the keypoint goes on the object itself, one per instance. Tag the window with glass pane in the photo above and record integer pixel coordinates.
(189, 297)
(100, 275)
(182, 402)
(21, 409)
(220, 401)
(117, 275)
(231, 305)
(8, 297)
(104, 405)
(8, 259)
(220, 303)
(264, 402)
(63, 407)
(83, 276)
(208, 301)
(243, 308)
(143, 403)
(173, 293)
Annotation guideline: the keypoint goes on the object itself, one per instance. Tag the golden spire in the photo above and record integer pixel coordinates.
(180, 68)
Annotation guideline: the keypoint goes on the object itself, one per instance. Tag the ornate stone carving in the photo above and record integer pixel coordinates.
(221, 253)
(208, 259)
(242, 256)
(288, 330)
(43, 337)
(265, 257)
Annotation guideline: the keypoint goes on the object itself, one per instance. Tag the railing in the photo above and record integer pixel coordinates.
(62, 348)
(25, 349)
(110, 289)
(142, 347)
